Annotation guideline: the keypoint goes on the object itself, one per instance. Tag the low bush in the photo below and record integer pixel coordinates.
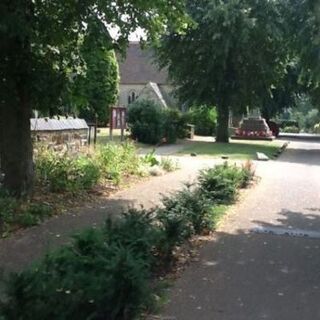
(220, 183)
(61, 172)
(248, 173)
(193, 208)
(316, 128)
(152, 124)
(290, 129)
(151, 159)
(137, 230)
(175, 125)
(105, 273)
(118, 160)
(88, 280)
(146, 121)
(204, 119)
(169, 164)
(166, 163)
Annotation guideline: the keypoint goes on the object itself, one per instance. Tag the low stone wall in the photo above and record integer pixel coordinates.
(62, 139)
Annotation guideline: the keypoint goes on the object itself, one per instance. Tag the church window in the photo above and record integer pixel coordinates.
(132, 97)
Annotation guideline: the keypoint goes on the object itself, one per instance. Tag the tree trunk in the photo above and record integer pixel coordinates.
(222, 124)
(16, 161)
(16, 147)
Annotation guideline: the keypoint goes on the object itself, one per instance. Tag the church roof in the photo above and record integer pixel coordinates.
(139, 67)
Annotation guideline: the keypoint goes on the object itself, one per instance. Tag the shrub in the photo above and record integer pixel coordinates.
(104, 274)
(221, 182)
(146, 120)
(316, 128)
(169, 164)
(150, 159)
(86, 281)
(150, 123)
(175, 228)
(118, 160)
(248, 173)
(136, 230)
(291, 129)
(204, 119)
(175, 125)
(193, 206)
(61, 172)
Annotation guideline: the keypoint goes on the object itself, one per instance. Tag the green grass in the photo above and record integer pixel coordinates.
(240, 149)
(103, 136)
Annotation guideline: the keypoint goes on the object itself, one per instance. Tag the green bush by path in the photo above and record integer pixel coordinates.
(152, 124)
(106, 273)
(62, 172)
(221, 183)
(204, 119)
(290, 129)
(146, 121)
(91, 279)
(193, 206)
(118, 160)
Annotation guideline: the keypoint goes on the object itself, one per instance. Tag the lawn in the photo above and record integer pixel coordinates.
(239, 149)
(103, 135)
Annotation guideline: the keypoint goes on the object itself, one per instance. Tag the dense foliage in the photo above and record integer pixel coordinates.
(105, 273)
(150, 123)
(61, 172)
(39, 56)
(305, 115)
(64, 172)
(101, 275)
(236, 53)
(96, 90)
(204, 119)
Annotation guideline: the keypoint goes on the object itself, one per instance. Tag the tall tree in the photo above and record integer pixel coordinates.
(284, 95)
(38, 50)
(303, 19)
(97, 88)
(232, 54)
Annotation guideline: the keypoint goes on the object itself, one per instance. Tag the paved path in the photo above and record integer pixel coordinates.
(244, 274)
(24, 247)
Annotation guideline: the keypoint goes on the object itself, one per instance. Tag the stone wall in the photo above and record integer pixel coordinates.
(62, 139)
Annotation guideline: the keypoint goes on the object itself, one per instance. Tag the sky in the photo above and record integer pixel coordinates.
(135, 36)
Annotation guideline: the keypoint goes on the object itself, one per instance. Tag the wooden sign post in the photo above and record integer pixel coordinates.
(118, 120)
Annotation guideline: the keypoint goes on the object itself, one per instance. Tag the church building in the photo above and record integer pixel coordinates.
(140, 78)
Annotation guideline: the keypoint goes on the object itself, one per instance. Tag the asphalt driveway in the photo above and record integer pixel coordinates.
(264, 262)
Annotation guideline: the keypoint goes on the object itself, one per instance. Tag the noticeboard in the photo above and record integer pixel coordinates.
(118, 118)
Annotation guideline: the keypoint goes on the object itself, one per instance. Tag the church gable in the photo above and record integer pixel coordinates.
(152, 92)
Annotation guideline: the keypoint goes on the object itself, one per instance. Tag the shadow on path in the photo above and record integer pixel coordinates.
(248, 276)
(28, 245)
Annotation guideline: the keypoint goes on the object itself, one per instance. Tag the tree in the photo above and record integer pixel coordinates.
(232, 54)
(38, 52)
(285, 95)
(303, 18)
(98, 87)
